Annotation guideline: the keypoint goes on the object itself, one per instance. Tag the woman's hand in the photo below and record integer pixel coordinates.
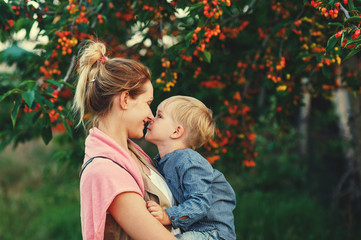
(157, 211)
(130, 211)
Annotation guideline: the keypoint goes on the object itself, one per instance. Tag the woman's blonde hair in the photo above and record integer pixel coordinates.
(194, 116)
(101, 78)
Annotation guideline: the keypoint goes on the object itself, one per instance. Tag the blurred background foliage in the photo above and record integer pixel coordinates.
(285, 196)
(287, 107)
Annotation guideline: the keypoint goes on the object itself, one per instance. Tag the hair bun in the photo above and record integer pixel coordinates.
(92, 52)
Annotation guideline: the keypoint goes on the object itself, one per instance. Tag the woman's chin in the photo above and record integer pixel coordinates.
(137, 136)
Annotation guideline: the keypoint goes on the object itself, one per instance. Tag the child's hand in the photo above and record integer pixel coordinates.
(158, 213)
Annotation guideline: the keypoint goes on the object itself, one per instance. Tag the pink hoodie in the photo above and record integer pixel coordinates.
(103, 180)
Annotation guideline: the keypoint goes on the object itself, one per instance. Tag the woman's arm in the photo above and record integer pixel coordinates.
(129, 210)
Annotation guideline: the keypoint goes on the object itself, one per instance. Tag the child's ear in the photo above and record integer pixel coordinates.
(123, 99)
(178, 132)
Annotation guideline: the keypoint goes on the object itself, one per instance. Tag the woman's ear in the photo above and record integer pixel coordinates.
(178, 132)
(123, 99)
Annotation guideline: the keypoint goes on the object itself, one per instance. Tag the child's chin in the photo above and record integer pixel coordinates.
(148, 138)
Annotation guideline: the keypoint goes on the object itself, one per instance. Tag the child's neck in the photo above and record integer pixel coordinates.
(164, 149)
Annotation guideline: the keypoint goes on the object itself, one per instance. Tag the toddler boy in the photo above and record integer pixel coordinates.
(205, 198)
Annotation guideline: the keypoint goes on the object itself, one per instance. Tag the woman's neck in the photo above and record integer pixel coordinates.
(114, 131)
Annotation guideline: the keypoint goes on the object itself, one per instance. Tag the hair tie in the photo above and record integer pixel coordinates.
(103, 59)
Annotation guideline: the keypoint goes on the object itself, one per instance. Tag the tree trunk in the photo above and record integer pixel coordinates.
(303, 120)
(347, 193)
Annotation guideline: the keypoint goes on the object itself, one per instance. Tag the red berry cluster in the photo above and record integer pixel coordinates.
(333, 13)
(356, 34)
(16, 9)
(66, 41)
(129, 15)
(166, 75)
(9, 25)
(214, 82)
(338, 34)
(100, 18)
(197, 72)
(233, 32)
(72, 8)
(208, 34)
(212, 9)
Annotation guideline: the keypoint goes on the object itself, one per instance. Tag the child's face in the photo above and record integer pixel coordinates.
(161, 128)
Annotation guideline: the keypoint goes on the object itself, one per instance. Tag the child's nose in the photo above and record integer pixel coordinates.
(150, 119)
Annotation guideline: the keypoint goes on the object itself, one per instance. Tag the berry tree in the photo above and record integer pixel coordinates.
(244, 59)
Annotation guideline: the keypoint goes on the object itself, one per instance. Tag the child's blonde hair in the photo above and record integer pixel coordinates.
(101, 78)
(194, 116)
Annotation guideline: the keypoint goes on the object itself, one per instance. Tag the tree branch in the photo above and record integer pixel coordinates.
(70, 69)
(250, 6)
(347, 15)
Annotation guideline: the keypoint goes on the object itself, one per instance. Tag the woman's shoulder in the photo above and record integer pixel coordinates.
(104, 172)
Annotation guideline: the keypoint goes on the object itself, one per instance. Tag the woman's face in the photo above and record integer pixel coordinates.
(139, 112)
(159, 130)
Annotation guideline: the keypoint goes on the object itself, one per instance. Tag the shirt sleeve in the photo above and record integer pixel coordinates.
(196, 183)
(100, 183)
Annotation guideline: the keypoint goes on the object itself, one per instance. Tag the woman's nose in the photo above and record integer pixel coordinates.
(150, 117)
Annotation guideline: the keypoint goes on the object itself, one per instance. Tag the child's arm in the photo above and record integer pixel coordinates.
(197, 179)
(157, 211)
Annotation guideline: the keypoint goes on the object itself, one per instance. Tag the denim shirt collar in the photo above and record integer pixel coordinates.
(169, 156)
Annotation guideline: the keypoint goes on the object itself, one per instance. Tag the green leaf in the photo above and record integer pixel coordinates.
(67, 84)
(351, 6)
(46, 132)
(95, 2)
(52, 81)
(15, 111)
(335, 24)
(29, 97)
(189, 35)
(8, 93)
(350, 54)
(342, 37)
(195, 6)
(331, 43)
(36, 116)
(42, 100)
(353, 19)
(207, 56)
(30, 83)
(353, 41)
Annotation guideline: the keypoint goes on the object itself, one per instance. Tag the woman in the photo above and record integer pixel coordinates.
(117, 176)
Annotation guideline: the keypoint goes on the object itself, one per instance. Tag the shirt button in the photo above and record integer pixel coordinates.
(172, 217)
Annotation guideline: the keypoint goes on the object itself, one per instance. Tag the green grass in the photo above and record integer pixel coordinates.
(38, 200)
(275, 215)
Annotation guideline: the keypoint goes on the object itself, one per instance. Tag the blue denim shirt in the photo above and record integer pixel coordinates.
(204, 195)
